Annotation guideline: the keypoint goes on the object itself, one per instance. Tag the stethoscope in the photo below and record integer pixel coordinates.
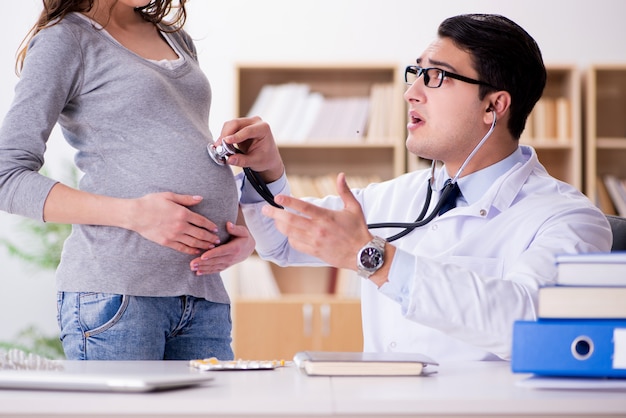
(443, 197)
(220, 153)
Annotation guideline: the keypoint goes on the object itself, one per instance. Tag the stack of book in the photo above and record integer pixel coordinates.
(550, 121)
(298, 114)
(581, 325)
(326, 184)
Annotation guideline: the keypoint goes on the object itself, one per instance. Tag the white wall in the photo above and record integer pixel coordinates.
(227, 32)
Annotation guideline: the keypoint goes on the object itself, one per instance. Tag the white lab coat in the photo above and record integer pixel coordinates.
(457, 284)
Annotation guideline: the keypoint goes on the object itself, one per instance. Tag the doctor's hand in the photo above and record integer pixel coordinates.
(332, 236)
(254, 138)
(237, 249)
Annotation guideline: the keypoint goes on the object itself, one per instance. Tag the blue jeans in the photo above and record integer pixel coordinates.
(100, 326)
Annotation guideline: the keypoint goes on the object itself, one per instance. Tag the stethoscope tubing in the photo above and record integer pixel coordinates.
(420, 221)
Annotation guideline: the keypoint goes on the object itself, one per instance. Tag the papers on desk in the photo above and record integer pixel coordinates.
(335, 363)
(569, 383)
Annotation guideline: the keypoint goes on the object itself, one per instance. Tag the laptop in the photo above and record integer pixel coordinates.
(107, 376)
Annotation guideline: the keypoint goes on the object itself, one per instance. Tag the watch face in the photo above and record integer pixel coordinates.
(371, 258)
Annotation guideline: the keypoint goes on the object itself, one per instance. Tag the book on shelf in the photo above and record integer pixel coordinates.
(254, 279)
(603, 198)
(582, 302)
(351, 363)
(297, 114)
(277, 104)
(360, 182)
(547, 129)
(591, 269)
(302, 186)
(563, 119)
(379, 125)
(325, 185)
(298, 122)
(550, 120)
(528, 133)
(341, 118)
(616, 188)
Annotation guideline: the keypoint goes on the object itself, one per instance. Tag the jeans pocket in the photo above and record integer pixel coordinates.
(100, 311)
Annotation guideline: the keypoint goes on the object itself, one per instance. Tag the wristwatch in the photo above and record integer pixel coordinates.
(371, 257)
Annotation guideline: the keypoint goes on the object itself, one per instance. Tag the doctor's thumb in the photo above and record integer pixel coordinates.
(345, 193)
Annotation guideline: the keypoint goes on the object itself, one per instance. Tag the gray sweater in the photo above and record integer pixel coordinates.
(137, 128)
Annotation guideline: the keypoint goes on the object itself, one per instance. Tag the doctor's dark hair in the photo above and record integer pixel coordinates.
(156, 11)
(504, 55)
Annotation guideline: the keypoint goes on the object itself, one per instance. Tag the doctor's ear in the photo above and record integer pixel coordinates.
(498, 101)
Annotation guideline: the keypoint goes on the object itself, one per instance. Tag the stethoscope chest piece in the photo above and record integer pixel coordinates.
(221, 152)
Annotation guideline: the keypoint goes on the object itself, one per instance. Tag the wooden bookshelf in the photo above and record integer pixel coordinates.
(554, 126)
(605, 130)
(277, 329)
(382, 155)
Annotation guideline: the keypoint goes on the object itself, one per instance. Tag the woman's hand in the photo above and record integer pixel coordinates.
(165, 218)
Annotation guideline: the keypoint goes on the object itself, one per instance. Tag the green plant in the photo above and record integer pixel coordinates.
(42, 243)
(40, 246)
(31, 340)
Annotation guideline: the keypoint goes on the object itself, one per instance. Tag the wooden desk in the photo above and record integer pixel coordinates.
(464, 389)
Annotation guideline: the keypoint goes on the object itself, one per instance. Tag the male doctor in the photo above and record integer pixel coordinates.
(451, 287)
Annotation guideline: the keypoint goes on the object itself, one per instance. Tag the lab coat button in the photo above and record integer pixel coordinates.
(483, 212)
(392, 344)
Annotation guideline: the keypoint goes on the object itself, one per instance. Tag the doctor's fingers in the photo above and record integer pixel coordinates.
(232, 127)
(304, 208)
(343, 190)
(293, 225)
(323, 223)
(249, 133)
(310, 236)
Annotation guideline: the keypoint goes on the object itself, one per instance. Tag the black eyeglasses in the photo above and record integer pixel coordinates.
(433, 77)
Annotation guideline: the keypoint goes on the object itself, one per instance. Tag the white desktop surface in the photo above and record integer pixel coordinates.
(459, 389)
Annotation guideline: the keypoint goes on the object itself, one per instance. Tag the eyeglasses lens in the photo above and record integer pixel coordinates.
(433, 77)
